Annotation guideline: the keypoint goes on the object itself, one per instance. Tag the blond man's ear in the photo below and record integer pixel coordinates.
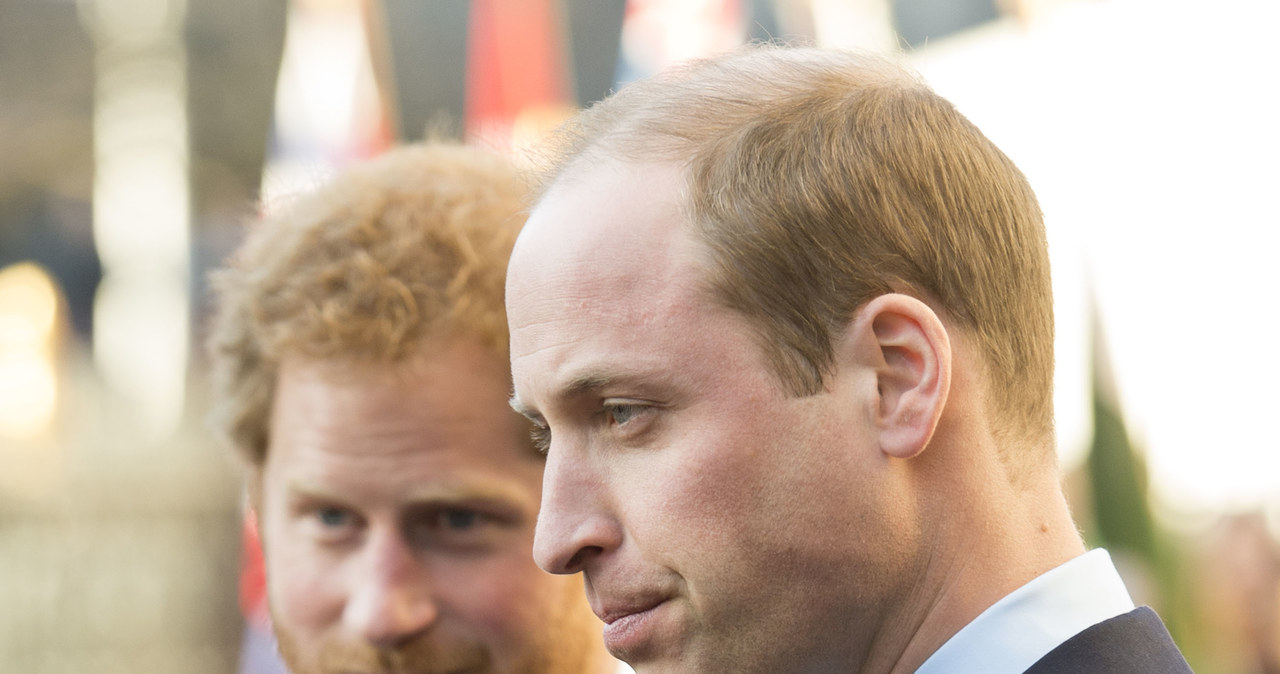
(905, 345)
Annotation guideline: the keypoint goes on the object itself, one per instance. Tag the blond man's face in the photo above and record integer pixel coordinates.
(720, 523)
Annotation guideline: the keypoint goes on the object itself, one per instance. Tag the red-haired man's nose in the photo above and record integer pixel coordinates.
(391, 601)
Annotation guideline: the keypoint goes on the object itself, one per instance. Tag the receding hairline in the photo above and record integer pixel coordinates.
(639, 134)
(691, 113)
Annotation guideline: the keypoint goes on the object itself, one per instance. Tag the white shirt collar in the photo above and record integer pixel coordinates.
(1024, 626)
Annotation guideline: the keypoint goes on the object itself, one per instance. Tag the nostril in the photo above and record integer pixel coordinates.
(581, 557)
(391, 625)
(569, 550)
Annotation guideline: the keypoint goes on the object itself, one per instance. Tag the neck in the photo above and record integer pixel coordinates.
(987, 536)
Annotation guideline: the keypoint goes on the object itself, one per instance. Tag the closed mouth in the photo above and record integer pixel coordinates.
(614, 614)
(631, 630)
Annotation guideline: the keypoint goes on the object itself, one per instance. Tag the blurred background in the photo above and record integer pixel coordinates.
(138, 136)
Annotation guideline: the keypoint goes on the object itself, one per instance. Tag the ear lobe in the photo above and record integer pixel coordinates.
(907, 347)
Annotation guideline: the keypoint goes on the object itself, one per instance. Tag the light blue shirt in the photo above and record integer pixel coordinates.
(1023, 627)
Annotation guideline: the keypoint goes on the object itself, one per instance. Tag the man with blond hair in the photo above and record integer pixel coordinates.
(360, 354)
(783, 321)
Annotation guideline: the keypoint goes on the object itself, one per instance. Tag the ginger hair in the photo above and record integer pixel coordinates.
(388, 257)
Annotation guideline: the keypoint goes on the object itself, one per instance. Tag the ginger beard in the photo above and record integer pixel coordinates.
(419, 656)
(566, 644)
(397, 509)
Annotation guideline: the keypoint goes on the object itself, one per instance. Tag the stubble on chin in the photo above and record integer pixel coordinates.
(419, 656)
(567, 641)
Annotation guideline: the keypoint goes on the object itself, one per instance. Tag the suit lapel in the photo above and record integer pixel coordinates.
(1133, 643)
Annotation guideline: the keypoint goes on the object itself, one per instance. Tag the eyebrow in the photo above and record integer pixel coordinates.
(514, 402)
(577, 387)
(460, 493)
(441, 492)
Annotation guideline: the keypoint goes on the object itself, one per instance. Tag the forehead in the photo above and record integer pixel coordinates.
(606, 280)
(606, 227)
(440, 418)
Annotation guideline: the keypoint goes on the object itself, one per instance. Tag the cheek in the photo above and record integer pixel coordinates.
(305, 589)
(690, 497)
(503, 599)
(739, 489)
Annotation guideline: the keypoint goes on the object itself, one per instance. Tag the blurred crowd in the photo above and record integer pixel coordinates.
(142, 136)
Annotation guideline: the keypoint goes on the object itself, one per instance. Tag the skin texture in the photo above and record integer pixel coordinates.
(397, 507)
(682, 479)
(720, 522)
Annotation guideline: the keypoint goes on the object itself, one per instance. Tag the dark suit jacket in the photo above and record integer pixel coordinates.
(1133, 643)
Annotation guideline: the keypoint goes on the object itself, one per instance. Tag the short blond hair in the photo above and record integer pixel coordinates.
(820, 179)
(408, 248)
